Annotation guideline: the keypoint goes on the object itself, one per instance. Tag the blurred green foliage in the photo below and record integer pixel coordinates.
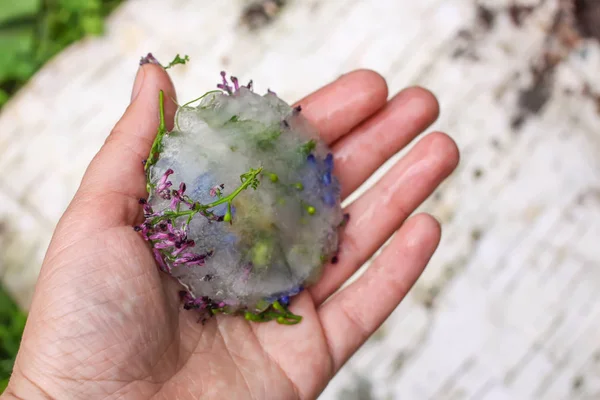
(33, 31)
(12, 322)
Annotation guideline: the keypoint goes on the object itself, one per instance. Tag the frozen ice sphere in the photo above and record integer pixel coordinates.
(244, 208)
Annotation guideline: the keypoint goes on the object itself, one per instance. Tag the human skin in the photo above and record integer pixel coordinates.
(105, 323)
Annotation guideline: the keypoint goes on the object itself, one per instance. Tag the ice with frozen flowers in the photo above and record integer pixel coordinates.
(244, 208)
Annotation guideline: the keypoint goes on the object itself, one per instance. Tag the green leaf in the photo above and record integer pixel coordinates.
(3, 384)
(12, 322)
(92, 24)
(308, 147)
(3, 97)
(177, 60)
(80, 6)
(16, 45)
(15, 9)
(265, 140)
(40, 29)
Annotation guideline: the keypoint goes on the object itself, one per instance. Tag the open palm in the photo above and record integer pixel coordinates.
(105, 323)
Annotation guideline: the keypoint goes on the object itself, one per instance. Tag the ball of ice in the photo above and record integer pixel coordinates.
(244, 208)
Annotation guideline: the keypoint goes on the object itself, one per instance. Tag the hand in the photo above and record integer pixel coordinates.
(105, 323)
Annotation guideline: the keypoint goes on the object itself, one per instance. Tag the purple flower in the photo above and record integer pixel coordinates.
(163, 185)
(187, 244)
(327, 178)
(192, 259)
(189, 302)
(161, 236)
(161, 261)
(225, 85)
(170, 243)
(149, 59)
(144, 228)
(329, 162)
(148, 211)
(236, 84)
(178, 197)
(216, 190)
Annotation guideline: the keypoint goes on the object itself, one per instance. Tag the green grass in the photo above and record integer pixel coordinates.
(33, 31)
(12, 322)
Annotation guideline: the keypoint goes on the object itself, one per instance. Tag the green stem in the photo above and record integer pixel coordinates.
(280, 314)
(233, 194)
(204, 207)
(157, 144)
(201, 97)
(193, 101)
(177, 60)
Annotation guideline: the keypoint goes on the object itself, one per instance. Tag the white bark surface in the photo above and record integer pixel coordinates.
(509, 306)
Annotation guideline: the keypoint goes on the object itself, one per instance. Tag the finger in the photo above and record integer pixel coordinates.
(116, 174)
(356, 312)
(383, 208)
(360, 153)
(341, 105)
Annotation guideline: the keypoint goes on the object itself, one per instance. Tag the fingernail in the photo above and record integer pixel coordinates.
(138, 83)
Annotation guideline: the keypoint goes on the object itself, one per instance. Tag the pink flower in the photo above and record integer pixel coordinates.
(178, 197)
(163, 185)
(161, 261)
(225, 85)
(236, 84)
(216, 190)
(184, 246)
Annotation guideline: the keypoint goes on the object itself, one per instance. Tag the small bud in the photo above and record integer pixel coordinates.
(327, 178)
(299, 186)
(236, 84)
(311, 210)
(273, 177)
(329, 161)
(149, 59)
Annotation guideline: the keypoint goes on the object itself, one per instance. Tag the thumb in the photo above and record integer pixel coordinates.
(115, 180)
